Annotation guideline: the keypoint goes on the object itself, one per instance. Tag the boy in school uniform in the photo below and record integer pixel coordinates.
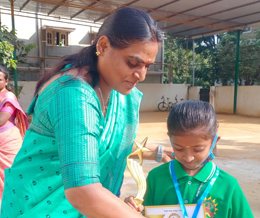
(225, 199)
(192, 178)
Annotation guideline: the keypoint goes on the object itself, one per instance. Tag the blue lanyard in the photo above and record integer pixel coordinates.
(203, 196)
(211, 155)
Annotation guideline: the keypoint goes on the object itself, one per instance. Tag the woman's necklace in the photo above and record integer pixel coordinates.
(104, 104)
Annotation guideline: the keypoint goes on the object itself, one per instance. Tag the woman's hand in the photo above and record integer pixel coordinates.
(94, 201)
(131, 203)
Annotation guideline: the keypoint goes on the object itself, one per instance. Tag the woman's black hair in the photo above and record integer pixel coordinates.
(189, 116)
(5, 72)
(123, 27)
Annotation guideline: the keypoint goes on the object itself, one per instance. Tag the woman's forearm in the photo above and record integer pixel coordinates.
(94, 201)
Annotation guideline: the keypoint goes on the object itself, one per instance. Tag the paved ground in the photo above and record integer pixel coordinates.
(238, 151)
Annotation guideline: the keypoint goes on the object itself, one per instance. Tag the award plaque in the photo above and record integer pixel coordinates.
(136, 169)
(173, 211)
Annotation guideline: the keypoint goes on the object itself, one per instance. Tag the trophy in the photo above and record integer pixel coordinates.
(136, 170)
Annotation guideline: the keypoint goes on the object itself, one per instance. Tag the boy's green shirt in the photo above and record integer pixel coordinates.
(225, 199)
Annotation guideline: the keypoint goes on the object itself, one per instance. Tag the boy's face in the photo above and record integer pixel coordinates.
(191, 150)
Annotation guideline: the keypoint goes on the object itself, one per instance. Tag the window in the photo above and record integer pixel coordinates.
(54, 37)
(49, 38)
(92, 34)
(63, 39)
(57, 36)
(247, 30)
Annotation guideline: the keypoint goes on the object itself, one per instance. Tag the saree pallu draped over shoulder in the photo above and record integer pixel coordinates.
(21, 120)
(10, 135)
(37, 175)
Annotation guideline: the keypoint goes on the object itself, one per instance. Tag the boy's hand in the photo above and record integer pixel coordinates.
(131, 203)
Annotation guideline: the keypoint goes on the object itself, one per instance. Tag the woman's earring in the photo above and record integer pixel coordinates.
(173, 154)
(98, 53)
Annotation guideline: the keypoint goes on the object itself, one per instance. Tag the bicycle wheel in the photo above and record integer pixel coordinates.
(162, 106)
(171, 105)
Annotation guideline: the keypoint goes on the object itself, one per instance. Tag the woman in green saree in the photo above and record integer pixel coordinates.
(85, 115)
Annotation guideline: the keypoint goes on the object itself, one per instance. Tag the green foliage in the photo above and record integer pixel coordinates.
(224, 58)
(9, 42)
(249, 59)
(177, 58)
(6, 55)
(249, 67)
(215, 59)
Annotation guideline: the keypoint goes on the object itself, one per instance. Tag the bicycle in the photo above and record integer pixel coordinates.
(176, 100)
(165, 104)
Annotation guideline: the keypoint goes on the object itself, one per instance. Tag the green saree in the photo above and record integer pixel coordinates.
(69, 144)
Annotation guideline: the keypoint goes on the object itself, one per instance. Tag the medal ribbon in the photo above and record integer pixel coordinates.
(203, 196)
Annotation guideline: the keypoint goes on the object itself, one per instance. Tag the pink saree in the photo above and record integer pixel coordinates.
(11, 134)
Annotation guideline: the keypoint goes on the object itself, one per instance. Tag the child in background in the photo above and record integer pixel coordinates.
(189, 178)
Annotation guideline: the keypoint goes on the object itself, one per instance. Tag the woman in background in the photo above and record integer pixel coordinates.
(13, 124)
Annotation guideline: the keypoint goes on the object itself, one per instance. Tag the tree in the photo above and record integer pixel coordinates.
(215, 59)
(224, 58)
(177, 58)
(9, 42)
(6, 54)
(249, 65)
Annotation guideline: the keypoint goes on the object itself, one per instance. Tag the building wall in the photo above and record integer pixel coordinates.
(194, 92)
(29, 30)
(153, 77)
(248, 100)
(27, 94)
(152, 94)
(221, 97)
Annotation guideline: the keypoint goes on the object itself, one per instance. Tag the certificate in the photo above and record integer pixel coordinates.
(173, 211)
